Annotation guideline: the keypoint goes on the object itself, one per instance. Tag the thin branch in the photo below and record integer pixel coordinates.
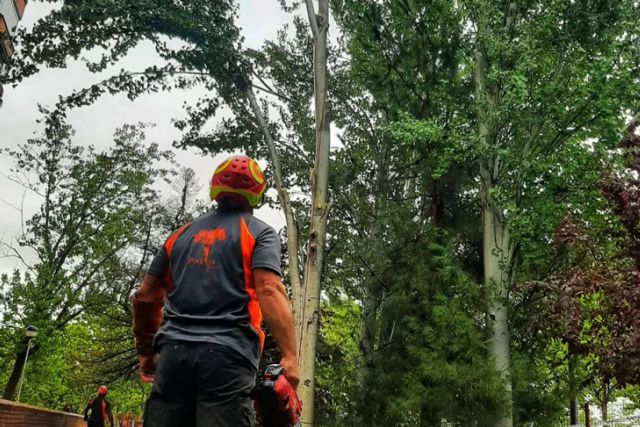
(290, 146)
(11, 205)
(268, 88)
(27, 186)
(292, 227)
(274, 93)
(22, 223)
(16, 254)
(313, 22)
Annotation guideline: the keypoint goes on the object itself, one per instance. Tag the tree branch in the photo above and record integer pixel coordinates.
(292, 227)
(313, 21)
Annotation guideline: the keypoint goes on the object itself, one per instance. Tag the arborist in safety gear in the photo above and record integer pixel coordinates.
(197, 315)
(98, 410)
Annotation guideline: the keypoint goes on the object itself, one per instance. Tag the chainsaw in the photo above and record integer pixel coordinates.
(276, 402)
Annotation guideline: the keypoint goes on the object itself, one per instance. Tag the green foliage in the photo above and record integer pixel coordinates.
(540, 387)
(402, 336)
(431, 361)
(338, 362)
(566, 185)
(586, 303)
(99, 210)
(95, 207)
(64, 371)
(548, 89)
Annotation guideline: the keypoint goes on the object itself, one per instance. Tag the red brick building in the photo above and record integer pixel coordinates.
(11, 12)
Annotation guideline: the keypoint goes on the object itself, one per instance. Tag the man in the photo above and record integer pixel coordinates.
(216, 278)
(100, 409)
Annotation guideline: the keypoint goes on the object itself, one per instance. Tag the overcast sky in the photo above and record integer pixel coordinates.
(259, 20)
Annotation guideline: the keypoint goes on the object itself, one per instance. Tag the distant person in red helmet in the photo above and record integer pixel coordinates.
(197, 315)
(98, 410)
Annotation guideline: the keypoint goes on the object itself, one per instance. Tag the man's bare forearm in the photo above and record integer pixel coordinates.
(146, 306)
(276, 310)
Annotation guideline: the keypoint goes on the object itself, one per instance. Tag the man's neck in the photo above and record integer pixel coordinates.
(233, 209)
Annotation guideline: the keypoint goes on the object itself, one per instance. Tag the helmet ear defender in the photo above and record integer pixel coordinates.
(239, 179)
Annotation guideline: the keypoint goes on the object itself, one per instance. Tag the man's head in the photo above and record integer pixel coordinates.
(102, 390)
(238, 183)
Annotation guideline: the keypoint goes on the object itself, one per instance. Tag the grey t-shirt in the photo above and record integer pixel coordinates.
(207, 265)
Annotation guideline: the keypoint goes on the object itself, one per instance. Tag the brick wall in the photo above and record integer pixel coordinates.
(14, 414)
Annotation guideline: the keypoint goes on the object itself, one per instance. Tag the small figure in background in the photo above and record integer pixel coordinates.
(100, 410)
(67, 408)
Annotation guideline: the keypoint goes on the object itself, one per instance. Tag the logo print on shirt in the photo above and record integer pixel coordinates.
(206, 238)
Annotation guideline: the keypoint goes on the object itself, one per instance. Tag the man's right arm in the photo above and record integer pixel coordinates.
(276, 311)
(147, 305)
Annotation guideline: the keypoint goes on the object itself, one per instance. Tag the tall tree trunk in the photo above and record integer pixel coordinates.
(496, 249)
(306, 295)
(374, 325)
(319, 209)
(367, 343)
(573, 411)
(14, 378)
(496, 242)
(606, 396)
(573, 393)
(427, 417)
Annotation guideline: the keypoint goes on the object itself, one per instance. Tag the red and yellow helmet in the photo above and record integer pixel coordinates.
(238, 177)
(102, 390)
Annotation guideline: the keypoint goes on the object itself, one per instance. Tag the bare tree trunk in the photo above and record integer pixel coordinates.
(496, 249)
(283, 194)
(306, 295)
(496, 244)
(318, 229)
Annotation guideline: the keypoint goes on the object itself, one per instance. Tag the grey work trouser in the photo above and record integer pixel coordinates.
(201, 385)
